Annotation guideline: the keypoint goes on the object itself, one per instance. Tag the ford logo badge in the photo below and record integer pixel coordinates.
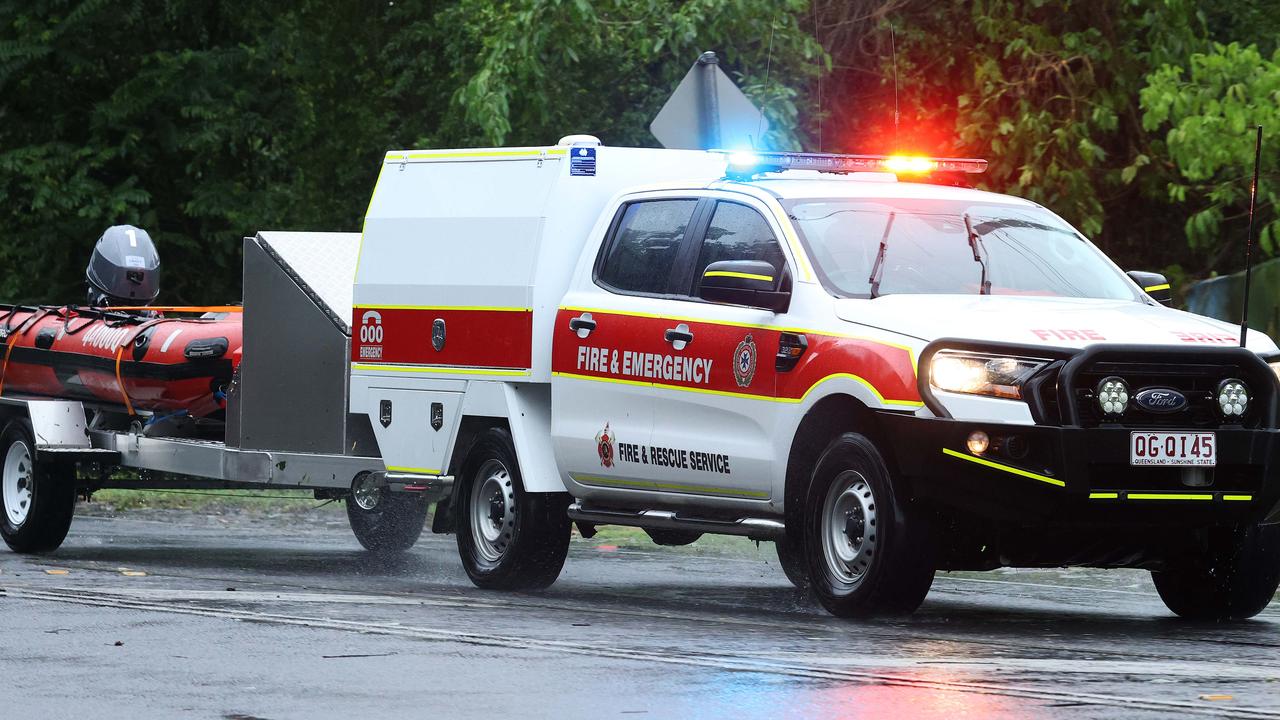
(1160, 400)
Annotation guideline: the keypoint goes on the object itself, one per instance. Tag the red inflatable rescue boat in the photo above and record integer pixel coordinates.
(138, 362)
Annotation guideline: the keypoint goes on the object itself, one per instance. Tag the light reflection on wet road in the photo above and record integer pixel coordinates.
(314, 629)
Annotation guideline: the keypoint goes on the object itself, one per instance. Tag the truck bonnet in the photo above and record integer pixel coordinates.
(1055, 322)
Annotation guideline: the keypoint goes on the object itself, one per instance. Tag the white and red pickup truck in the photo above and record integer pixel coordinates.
(887, 378)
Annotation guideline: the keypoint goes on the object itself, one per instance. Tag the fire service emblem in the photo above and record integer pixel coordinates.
(604, 446)
(744, 361)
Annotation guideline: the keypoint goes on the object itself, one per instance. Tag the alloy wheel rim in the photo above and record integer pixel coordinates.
(18, 479)
(366, 493)
(493, 511)
(849, 533)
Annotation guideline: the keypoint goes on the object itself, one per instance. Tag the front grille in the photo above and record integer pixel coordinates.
(1198, 382)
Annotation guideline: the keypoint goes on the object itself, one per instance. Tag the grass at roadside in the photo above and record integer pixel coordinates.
(635, 538)
(210, 501)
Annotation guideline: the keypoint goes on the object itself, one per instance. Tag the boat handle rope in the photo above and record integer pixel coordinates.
(128, 406)
(4, 370)
(128, 342)
(14, 334)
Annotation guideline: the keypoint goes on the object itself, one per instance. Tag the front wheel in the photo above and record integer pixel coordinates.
(38, 496)
(1230, 574)
(384, 522)
(793, 561)
(508, 538)
(868, 552)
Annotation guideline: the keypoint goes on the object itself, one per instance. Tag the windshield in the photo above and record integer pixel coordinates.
(868, 248)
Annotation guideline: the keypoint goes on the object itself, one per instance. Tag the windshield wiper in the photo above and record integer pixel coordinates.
(985, 287)
(877, 269)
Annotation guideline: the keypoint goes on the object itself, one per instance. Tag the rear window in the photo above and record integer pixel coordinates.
(641, 256)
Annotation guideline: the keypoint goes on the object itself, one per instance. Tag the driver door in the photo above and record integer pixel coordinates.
(714, 435)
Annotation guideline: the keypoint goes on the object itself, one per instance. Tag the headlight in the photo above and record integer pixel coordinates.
(1233, 398)
(1113, 396)
(981, 374)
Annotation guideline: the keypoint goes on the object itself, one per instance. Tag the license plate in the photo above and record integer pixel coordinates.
(1173, 448)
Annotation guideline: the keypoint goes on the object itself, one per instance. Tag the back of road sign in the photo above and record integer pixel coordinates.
(683, 121)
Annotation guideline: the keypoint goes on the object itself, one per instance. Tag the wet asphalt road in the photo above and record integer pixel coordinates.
(287, 618)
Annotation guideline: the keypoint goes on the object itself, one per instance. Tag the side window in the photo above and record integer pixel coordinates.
(642, 254)
(737, 232)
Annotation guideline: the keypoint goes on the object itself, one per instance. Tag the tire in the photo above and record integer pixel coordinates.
(37, 497)
(391, 523)
(1231, 575)
(793, 561)
(868, 552)
(508, 539)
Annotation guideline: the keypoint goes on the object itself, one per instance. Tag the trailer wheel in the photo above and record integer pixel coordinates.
(385, 522)
(509, 539)
(1230, 575)
(38, 496)
(868, 552)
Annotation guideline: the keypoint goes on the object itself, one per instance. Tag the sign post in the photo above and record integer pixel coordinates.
(707, 111)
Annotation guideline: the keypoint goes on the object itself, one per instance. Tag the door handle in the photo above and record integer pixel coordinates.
(582, 325)
(679, 334)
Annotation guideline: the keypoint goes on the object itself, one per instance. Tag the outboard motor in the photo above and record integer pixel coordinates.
(124, 268)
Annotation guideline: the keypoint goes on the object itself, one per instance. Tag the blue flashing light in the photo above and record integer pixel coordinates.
(744, 159)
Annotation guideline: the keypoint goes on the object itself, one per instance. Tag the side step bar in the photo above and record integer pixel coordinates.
(755, 528)
(435, 487)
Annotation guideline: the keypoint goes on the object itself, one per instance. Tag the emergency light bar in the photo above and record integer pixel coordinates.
(744, 164)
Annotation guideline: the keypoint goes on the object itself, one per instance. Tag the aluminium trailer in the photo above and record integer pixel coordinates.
(286, 423)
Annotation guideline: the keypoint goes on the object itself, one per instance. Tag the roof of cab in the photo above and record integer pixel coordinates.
(799, 184)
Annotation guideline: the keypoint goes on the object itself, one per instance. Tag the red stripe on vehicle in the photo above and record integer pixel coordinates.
(888, 368)
(631, 348)
(496, 338)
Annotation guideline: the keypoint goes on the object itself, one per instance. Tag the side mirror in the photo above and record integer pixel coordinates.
(753, 283)
(1153, 284)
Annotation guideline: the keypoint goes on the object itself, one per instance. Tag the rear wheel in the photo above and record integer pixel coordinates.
(1230, 574)
(385, 522)
(38, 496)
(868, 552)
(508, 538)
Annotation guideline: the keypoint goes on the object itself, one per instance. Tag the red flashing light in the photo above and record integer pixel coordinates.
(909, 164)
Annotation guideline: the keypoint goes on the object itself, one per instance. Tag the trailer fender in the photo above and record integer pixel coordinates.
(58, 425)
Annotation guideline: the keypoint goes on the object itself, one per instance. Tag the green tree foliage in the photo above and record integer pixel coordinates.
(201, 122)
(1047, 91)
(204, 122)
(1209, 110)
(607, 66)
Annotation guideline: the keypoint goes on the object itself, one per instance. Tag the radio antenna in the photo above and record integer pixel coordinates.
(1248, 241)
(817, 36)
(893, 50)
(768, 62)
